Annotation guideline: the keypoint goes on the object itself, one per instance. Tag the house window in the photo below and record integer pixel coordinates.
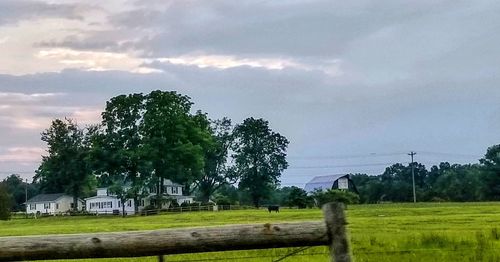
(129, 203)
(110, 204)
(46, 205)
(142, 202)
(119, 203)
(72, 205)
(32, 206)
(175, 190)
(57, 205)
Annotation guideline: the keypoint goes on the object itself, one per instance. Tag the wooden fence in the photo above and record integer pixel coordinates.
(188, 240)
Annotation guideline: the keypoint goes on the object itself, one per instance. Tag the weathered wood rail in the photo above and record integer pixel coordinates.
(177, 241)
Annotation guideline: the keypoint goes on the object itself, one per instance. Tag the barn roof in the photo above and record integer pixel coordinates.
(322, 182)
(45, 198)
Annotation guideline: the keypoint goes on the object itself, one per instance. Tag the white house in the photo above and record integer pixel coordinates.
(107, 203)
(52, 204)
(170, 190)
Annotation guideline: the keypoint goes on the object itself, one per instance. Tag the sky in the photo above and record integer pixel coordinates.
(354, 85)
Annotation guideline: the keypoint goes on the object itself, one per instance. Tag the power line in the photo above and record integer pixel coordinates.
(346, 156)
(449, 154)
(338, 166)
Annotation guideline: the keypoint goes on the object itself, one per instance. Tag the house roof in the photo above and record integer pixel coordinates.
(45, 198)
(322, 182)
(107, 196)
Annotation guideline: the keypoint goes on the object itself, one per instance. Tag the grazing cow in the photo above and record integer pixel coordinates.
(273, 208)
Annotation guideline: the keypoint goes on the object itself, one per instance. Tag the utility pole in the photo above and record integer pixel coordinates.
(413, 176)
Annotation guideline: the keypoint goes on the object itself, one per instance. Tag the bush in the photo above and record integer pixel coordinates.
(222, 200)
(335, 195)
(297, 197)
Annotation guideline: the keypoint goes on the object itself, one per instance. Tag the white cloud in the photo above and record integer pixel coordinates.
(35, 111)
(331, 67)
(95, 60)
(225, 62)
(4, 39)
(86, 116)
(15, 98)
(21, 154)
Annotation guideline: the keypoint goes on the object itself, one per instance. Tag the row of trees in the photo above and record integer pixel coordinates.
(145, 139)
(443, 182)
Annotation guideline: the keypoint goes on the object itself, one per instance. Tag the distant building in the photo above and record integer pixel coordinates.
(106, 202)
(52, 204)
(341, 181)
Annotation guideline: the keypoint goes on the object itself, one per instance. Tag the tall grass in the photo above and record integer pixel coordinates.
(388, 232)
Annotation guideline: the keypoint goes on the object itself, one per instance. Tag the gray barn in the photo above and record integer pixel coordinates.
(341, 181)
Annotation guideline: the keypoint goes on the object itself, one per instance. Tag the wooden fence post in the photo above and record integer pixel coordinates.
(335, 224)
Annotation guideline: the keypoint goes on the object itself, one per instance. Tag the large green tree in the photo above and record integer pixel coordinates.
(491, 169)
(118, 151)
(259, 157)
(173, 139)
(5, 203)
(17, 188)
(216, 172)
(460, 183)
(66, 167)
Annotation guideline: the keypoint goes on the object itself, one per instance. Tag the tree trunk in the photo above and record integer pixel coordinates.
(136, 204)
(159, 193)
(256, 200)
(123, 207)
(206, 192)
(75, 203)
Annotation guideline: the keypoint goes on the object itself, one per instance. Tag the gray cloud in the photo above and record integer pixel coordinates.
(415, 75)
(291, 28)
(14, 11)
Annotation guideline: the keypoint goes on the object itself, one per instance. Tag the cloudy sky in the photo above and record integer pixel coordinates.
(354, 85)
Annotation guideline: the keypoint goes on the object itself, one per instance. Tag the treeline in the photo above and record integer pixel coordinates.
(144, 139)
(443, 182)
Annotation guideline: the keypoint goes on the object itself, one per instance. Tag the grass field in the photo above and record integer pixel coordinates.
(388, 232)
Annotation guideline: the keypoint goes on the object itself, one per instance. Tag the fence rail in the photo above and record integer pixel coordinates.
(177, 241)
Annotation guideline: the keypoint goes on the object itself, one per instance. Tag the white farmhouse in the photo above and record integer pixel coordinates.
(107, 203)
(170, 190)
(52, 204)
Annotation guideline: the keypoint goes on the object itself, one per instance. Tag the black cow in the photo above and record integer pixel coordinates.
(273, 208)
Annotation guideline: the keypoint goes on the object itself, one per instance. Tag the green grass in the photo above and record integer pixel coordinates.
(388, 232)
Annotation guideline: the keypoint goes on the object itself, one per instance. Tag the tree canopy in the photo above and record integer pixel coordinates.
(259, 157)
(65, 168)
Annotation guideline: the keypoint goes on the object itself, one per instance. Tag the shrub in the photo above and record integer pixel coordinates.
(222, 200)
(297, 197)
(335, 195)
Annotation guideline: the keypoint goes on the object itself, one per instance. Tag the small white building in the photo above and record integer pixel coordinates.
(52, 204)
(107, 203)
